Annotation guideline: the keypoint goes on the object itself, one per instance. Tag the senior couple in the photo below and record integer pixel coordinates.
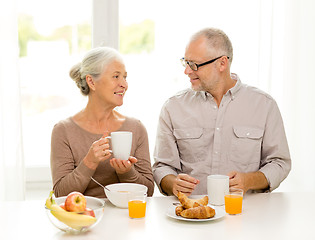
(218, 126)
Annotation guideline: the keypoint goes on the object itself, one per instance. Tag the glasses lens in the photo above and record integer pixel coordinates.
(193, 66)
(183, 61)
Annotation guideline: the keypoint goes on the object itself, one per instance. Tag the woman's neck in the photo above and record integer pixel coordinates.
(99, 120)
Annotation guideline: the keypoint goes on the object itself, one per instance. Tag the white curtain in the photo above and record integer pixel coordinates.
(11, 153)
(287, 72)
(299, 85)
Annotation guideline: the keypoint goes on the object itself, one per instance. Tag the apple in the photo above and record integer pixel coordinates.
(62, 205)
(75, 202)
(89, 211)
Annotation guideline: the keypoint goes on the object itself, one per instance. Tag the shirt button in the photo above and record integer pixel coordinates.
(218, 129)
(216, 152)
(187, 134)
(247, 134)
(215, 107)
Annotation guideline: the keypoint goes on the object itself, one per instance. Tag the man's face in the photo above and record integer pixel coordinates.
(204, 79)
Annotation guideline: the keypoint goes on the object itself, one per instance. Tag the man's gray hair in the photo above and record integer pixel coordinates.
(218, 41)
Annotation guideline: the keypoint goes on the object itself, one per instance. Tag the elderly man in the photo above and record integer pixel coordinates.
(219, 126)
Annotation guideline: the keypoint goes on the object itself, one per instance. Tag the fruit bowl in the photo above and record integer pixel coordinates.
(119, 193)
(76, 222)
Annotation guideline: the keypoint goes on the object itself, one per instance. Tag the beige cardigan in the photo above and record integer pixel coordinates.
(70, 144)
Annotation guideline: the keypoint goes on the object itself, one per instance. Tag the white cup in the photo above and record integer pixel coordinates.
(121, 144)
(217, 186)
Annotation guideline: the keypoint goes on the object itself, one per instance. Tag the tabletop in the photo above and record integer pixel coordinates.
(274, 215)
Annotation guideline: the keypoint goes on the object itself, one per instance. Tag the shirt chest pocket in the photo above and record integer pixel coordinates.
(248, 132)
(190, 143)
(246, 147)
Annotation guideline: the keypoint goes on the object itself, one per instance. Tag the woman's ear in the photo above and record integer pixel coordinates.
(90, 82)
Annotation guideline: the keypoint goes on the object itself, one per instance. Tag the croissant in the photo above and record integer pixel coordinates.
(189, 203)
(201, 212)
(179, 209)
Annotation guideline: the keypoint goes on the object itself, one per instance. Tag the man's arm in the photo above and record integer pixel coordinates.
(167, 184)
(184, 183)
(248, 181)
(275, 155)
(166, 156)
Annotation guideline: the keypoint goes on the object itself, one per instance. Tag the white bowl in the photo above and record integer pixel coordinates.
(118, 193)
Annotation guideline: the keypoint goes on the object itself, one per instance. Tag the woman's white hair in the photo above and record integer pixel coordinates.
(94, 63)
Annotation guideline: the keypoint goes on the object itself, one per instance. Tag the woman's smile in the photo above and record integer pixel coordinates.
(121, 93)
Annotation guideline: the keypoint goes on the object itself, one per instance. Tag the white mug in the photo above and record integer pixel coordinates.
(121, 144)
(217, 186)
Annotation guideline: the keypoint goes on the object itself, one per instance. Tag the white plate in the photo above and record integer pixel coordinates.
(219, 213)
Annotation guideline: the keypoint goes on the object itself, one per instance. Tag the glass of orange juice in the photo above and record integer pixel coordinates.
(137, 205)
(234, 201)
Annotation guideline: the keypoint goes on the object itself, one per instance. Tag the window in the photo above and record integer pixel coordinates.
(52, 37)
(152, 38)
(152, 61)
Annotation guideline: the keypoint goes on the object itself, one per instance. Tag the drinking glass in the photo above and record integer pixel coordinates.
(234, 201)
(137, 205)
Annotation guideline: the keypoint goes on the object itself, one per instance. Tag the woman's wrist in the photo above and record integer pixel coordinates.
(90, 164)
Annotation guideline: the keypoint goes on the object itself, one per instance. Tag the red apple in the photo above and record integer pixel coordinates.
(75, 202)
(89, 211)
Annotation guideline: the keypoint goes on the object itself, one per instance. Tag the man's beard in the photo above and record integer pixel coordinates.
(197, 87)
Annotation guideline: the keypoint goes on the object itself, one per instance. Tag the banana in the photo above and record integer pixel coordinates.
(74, 220)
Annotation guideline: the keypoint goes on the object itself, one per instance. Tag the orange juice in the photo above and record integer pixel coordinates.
(233, 203)
(136, 208)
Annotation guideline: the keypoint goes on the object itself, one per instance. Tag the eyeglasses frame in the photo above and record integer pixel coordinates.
(185, 62)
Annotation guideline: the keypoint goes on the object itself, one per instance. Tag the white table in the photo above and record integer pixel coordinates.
(265, 216)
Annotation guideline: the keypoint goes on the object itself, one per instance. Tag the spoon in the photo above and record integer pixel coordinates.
(100, 184)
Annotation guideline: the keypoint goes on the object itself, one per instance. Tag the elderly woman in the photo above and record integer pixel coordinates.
(79, 149)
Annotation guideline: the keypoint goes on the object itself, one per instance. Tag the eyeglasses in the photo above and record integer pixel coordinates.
(195, 66)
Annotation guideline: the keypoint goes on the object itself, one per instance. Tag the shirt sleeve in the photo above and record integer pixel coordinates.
(66, 177)
(166, 154)
(275, 156)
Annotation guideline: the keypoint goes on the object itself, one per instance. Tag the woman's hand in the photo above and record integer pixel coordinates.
(98, 152)
(122, 166)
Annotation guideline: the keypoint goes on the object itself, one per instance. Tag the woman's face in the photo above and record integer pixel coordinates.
(111, 86)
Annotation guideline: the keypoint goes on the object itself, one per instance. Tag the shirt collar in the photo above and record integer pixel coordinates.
(202, 94)
(234, 90)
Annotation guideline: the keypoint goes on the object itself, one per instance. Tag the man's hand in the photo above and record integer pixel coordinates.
(248, 181)
(181, 183)
(238, 180)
